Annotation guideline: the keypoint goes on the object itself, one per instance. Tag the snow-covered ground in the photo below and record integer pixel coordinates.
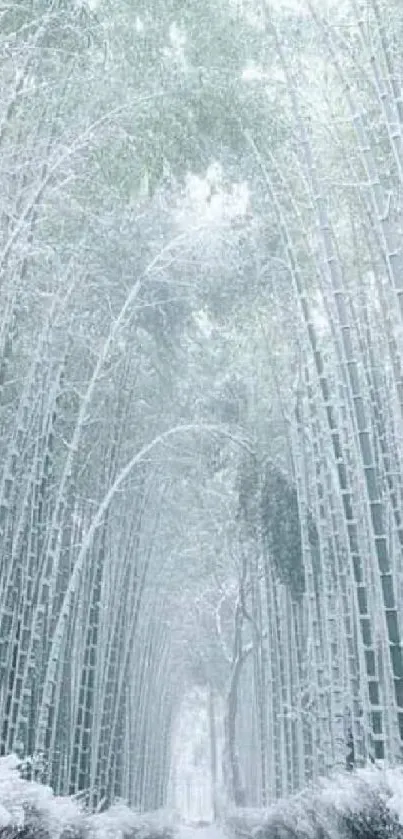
(367, 804)
(211, 831)
(32, 805)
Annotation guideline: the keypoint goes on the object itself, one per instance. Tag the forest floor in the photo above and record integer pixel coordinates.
(211, 831)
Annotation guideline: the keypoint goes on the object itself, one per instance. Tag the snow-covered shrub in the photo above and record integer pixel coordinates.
(29, 810)
(120, 822)
(366, 804)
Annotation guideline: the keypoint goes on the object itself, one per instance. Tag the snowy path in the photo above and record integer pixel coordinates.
(191, 787)
(212, 831)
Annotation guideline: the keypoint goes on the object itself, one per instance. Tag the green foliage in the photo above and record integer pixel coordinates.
(180, 71)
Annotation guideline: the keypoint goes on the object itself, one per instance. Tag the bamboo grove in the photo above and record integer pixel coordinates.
(201, 389)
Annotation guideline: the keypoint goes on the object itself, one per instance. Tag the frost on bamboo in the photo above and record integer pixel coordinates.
(201, 393)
